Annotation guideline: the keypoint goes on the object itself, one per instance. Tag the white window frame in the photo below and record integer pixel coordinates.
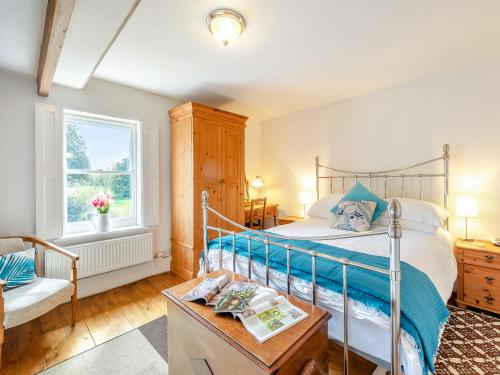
(135, 171)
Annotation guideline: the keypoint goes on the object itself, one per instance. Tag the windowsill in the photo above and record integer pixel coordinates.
(82, 237)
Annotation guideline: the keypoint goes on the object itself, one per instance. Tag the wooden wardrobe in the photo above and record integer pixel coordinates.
(208, 153)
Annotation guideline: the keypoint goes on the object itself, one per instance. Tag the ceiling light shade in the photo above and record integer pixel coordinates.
(226, 25)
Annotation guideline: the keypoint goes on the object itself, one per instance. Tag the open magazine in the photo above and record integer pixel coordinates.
(263, 312)
(271, 317)
(225, 295)
(207, 289)
(234, 298)
(260, 295)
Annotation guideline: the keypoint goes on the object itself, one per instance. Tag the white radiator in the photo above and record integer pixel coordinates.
(100, 257)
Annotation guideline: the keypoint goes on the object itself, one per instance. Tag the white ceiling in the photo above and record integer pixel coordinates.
(293, 55)
(21, 30)
(92, 28)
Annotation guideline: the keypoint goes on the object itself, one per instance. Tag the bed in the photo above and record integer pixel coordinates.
(424, 246)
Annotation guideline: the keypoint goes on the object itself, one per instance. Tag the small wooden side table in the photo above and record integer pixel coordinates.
(202, 342)
(478, 275)
(289, 219)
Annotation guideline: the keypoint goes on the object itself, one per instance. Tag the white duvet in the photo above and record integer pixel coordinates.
(369, 330)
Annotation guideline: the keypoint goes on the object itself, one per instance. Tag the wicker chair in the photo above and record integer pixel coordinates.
(22, 304)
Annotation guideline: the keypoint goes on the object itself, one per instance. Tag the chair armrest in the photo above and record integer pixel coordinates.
(2, 284)
(51, 246)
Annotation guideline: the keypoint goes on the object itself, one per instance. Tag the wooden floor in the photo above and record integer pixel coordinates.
(41, 343)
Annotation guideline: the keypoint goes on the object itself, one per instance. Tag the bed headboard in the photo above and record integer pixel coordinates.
(402, 174)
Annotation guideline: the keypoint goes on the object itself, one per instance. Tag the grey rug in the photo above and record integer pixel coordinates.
(142, 351)
(156, 333)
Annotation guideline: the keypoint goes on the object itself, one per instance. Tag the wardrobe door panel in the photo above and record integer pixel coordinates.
(232, 203)
(208, 169)
(207, 146)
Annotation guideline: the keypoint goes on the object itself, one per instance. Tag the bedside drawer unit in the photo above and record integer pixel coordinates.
(478, 282)
(482, 297)
(482, 277)
(482, 258)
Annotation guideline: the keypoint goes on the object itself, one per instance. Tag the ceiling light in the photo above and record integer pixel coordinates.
(226, 25)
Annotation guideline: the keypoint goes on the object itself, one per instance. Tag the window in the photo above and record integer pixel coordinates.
(100, 158)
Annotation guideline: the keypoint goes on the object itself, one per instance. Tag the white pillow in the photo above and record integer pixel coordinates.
(408, 225)
(321, 208)
(421, 216)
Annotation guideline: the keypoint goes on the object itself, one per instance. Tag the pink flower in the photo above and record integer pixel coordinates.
(101, 202)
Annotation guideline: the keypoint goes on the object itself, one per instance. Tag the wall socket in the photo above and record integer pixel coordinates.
(163, 254)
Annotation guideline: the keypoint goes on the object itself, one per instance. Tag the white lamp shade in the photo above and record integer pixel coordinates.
(466, 206)
(258, 183)
(305, 197)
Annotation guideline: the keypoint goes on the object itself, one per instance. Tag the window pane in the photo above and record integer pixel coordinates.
(96, 146)
(82, 188)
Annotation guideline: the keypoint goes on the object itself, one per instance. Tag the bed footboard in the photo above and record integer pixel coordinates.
(394, 273)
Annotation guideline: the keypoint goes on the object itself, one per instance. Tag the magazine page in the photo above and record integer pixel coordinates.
(235, 297)
(271, 317)
(207, 289)
(260, 295)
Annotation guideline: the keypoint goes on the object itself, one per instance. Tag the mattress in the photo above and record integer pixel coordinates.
(369, 329)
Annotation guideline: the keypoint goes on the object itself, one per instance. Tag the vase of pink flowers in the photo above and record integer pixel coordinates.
(100, 219)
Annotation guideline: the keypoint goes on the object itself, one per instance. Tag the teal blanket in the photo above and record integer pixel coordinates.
(422, 310)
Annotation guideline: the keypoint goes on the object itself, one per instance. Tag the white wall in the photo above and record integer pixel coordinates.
(252, 141)
(17, 142)
(394, 127)
(252, 148)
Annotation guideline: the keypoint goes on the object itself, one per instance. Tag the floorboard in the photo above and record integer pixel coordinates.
(50, 339)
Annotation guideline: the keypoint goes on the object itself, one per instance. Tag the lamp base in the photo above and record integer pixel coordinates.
(467, 239)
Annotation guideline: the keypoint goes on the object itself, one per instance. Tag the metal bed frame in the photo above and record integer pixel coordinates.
(390, 174)
(393, 231)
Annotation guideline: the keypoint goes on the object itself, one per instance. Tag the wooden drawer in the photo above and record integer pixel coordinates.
(481, 258)
(482, 297)
(481, 277)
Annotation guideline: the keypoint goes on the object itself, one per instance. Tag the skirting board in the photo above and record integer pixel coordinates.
(106, 281)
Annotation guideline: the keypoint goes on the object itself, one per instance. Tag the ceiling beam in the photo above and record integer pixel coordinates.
(56, 24)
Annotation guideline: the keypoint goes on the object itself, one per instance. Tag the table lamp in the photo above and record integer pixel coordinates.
(305, 198)
(466, 207)
(258, 184)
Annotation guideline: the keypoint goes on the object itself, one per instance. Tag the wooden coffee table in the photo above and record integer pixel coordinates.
(201, 342)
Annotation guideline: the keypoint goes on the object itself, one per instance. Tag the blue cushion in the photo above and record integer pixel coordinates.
(359, 193)
(17, 269)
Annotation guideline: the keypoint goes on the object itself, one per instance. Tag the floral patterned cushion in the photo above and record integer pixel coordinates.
(354, 216)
